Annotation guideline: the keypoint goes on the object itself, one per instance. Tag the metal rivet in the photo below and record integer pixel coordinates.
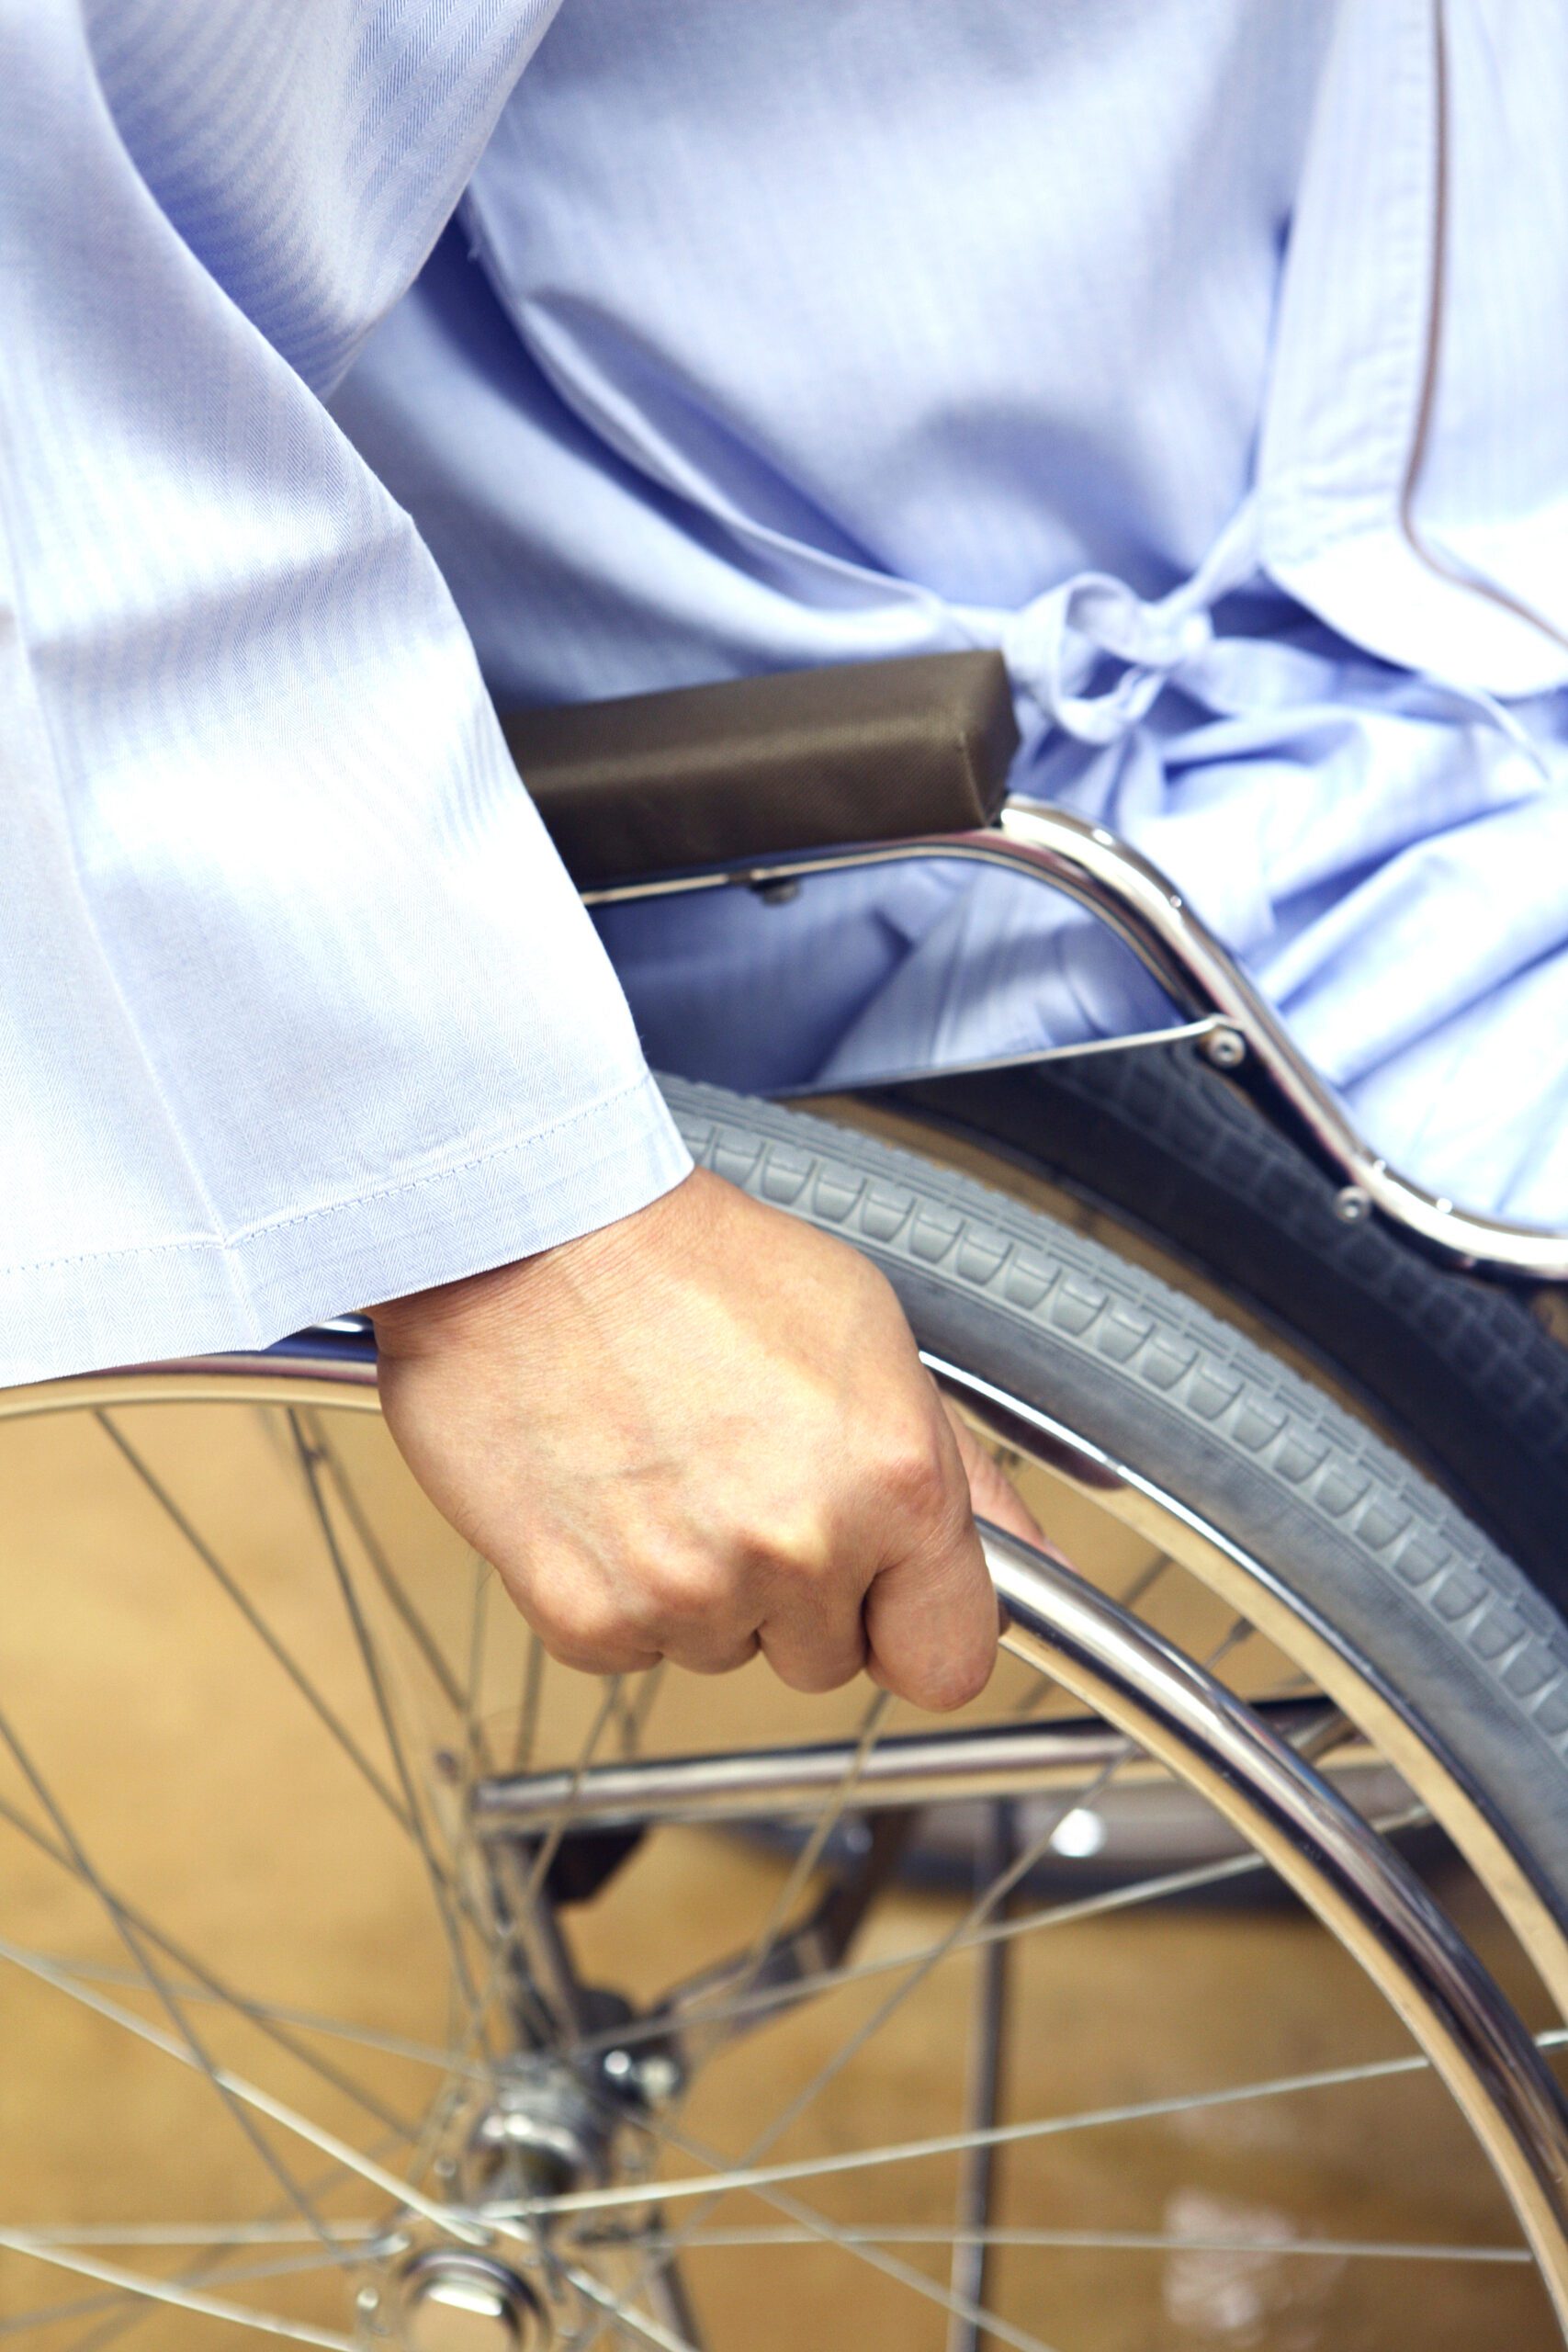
(1226, 1048)
(1352, 1206)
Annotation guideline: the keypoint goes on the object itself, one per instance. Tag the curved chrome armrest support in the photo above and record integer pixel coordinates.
(1110, 878)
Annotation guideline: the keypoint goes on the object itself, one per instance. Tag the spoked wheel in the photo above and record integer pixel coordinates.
(372, 1981)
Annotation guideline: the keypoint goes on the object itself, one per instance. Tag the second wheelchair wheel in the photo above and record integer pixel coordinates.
(374, 1982)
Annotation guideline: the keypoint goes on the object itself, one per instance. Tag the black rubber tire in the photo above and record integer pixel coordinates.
(1457, 1369)
(1347, 1523)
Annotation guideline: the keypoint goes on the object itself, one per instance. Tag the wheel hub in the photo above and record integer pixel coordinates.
(452, 2299)
(542, 2132)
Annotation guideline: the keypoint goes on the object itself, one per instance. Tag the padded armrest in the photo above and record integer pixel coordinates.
(806, 759)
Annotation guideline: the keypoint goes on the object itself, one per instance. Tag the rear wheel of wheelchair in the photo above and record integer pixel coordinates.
(373, 1981)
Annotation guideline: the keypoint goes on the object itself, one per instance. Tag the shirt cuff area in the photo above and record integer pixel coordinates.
(207, 1294)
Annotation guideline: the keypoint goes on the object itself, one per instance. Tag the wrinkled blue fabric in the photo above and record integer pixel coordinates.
(770, 338)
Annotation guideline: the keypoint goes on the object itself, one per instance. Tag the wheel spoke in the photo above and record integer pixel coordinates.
(252, 1616)
(1239, 1631)
(534, 1941)
(194, 2050)
(953, 2144)
(528, 1704)
(476, 1747)
(391, 2045)
(250, 2094)
(875, 1715)
(623, 2316)
(864, 2251)
(186, 2299)
(641, 1707)
(206, 1987)
(666, 2290)
(506, 1945)
(221, 2234)
(566, 1811)
(811, 1852)
(978, 1913)
(381, 1567)
(1195, 1879)
(1100, 2240)
(125, 2313)
(977, 2169)
(127, 2308)
(441, 1893)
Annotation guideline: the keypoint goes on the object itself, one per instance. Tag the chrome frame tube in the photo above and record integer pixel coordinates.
(771, 1783)
(1113, 881)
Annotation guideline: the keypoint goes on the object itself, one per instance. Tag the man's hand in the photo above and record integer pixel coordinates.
(698, 1432)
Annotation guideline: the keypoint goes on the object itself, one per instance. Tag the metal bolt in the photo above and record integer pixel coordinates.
(659, 2077)
(1226, 1048)
(1352, 1206)
(651, 2075)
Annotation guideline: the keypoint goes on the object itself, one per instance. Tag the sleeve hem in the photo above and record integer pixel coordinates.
(206, 1294)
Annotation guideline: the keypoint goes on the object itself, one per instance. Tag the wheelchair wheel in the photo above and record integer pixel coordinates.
(374, 1982)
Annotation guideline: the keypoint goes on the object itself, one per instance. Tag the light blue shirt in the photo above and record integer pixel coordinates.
(1222, 336)
(793, 334)
(297, 1010)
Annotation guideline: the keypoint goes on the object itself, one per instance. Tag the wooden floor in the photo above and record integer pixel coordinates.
(162, 1738)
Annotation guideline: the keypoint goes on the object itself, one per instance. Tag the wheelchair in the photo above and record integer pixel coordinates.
(395, 1986)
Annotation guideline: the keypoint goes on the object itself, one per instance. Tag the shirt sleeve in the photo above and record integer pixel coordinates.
(298, 1008)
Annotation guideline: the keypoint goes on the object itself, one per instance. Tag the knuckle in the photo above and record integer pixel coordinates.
(916, 1473)
(586, 1634)
(679, 1593)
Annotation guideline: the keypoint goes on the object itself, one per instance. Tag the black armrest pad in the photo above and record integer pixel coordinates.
(806, 759)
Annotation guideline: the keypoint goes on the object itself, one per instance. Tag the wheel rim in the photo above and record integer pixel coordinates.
(1488, 2064)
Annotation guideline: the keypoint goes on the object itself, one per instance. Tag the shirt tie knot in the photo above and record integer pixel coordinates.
(1057, 648)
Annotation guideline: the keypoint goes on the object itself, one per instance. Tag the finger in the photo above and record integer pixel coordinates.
(992, 1494)
(694, 1656)
(578, 1626)
(598, 1658)
(814, 1645)
(930, 1617)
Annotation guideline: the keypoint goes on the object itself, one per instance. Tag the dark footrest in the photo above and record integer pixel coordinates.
(711, 776)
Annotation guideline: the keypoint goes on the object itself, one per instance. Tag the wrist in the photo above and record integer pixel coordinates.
(428, 1319)
(453, 1313)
